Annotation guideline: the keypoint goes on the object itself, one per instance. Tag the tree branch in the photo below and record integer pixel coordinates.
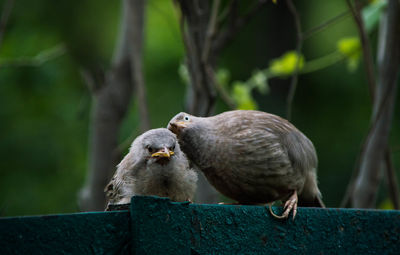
(391, 177)
(367, 181)
(325, 24)
(366, 48)
(299, 44)
(195, 19)
(368, 63)
(199, 24)
(38, 60)
(110, 105)
(221, 91)
(211, 30)
(137, 10)
(235, 23)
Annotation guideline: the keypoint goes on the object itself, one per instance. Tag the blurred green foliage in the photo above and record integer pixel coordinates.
(372, 13)
(287, 64)
(242, 96)
(45, 109)
(351, 48)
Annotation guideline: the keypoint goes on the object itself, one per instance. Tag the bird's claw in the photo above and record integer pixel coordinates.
(290, 205)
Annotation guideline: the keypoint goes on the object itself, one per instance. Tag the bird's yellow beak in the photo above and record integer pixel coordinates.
(163, 153)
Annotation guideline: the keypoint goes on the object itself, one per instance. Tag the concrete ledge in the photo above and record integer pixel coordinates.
(158, 226)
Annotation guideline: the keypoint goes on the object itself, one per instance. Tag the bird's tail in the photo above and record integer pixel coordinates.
(311, 196)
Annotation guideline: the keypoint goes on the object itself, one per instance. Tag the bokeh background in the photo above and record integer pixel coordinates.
(45, 105)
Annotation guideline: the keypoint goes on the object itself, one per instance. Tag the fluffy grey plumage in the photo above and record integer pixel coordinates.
(251, 156)
(155, 165)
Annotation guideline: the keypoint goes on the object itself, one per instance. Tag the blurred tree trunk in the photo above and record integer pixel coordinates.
(112, 93)
(206, 32)
(373, 155)
(196, 15)
(200, 96)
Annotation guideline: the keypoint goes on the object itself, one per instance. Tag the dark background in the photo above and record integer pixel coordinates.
(44, 109)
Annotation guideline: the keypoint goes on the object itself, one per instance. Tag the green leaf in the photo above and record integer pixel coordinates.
(372, 13)
(286, 65)
(259, 80)
(350, 47)
(241, 93)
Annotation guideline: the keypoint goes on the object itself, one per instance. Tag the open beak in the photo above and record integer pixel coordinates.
(163, 153)
(177, 126)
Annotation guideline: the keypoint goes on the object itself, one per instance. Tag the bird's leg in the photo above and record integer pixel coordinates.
(290, 204)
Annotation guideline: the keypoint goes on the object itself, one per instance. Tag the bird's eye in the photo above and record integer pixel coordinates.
(151, 150)
(172, 148)
(186, 118)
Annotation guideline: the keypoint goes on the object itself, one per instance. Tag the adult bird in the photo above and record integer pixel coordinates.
(155, 165)
(252, 157)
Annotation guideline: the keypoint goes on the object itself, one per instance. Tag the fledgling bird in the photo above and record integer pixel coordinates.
(252, 157)
(155, 165)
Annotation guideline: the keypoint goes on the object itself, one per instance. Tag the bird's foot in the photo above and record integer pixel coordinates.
(290, 205)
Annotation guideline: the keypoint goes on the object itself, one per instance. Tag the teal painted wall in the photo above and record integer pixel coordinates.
(158, 226)
(81, 233)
